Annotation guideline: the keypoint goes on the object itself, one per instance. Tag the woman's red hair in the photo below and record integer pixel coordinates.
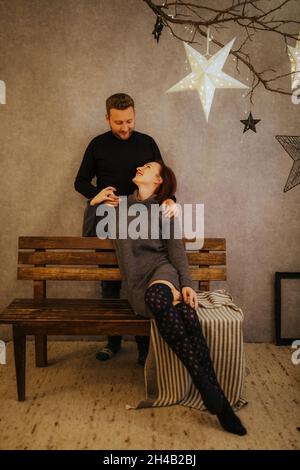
(168, 187)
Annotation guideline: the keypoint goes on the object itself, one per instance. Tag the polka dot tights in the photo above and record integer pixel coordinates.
(180, 328)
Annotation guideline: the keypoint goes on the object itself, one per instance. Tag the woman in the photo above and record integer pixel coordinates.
(159, 285)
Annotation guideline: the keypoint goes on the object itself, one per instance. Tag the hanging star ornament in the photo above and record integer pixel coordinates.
(206, 76)
(250, 123)
(294, 55)
(158, 27)
(291, 145)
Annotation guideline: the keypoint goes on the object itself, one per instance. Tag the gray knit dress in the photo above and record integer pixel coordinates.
(144, 260)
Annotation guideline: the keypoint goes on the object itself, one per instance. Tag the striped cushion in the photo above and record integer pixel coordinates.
(167, 380)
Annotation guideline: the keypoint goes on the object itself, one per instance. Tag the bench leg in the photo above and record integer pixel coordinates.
(40, 350)
(20, 360)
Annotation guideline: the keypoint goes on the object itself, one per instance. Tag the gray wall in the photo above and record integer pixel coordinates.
(60, 59)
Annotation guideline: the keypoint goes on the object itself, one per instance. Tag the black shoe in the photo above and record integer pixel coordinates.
(108, 352)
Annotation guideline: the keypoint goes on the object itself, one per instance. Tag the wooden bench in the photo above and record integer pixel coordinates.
(44, 259)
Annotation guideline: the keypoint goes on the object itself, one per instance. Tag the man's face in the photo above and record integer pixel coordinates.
(122, 122)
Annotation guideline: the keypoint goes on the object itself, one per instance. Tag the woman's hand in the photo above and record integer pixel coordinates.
(170, 208)
(107, 196)
(190, 297)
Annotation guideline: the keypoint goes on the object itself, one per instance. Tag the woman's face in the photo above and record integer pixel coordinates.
(148, 174)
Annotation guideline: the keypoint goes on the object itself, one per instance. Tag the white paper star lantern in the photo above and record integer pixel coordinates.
(294, 55)
(207, 75)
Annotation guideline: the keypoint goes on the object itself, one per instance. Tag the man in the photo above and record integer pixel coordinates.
(112, 158)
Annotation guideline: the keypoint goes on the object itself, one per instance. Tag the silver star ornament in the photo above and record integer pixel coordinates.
(291, 145)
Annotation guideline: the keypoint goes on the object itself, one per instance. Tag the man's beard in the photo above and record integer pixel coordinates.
(121, 138)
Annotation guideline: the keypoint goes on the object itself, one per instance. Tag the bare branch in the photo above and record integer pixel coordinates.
(251, 16)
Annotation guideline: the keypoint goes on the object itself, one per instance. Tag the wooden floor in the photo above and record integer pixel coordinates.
(80, 403)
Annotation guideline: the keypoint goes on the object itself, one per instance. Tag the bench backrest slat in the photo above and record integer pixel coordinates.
(105, 258)
(110, 274)
(94, 243)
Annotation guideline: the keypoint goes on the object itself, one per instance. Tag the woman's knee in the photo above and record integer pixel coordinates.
(177, 297)
(159, 297)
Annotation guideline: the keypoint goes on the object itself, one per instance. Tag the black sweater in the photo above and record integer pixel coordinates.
(114, 161)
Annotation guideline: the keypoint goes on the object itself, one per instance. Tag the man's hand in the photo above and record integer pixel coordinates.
(106, 196)
(190, 297)
(170, 208)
